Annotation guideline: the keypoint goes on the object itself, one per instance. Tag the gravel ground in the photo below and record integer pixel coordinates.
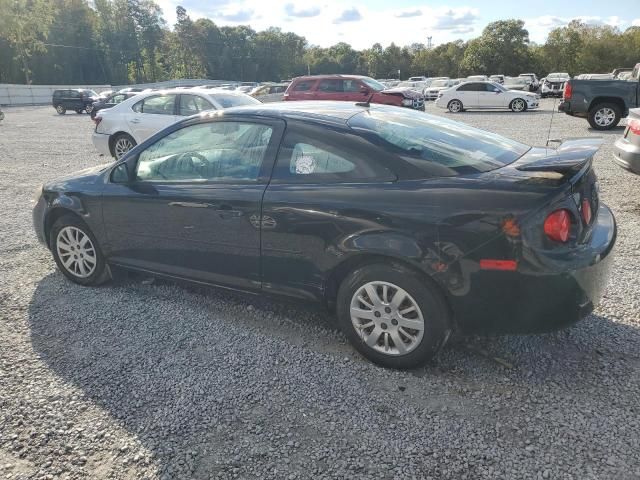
(141, 379)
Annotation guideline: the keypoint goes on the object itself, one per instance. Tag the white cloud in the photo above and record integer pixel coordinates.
(539, 27)
(636, 22)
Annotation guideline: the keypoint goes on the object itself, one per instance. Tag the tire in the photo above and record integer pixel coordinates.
(518, 105)
(88, 108)
(76, 252)
(604, 116)
(386, 333)
(122, 143)
(455, 106)
(61, 110)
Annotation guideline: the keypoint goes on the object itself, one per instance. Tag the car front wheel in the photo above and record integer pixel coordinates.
(455, 106)
(61, 110)
(393, 316)
(518, 105)
(88, 108)
(604, 116)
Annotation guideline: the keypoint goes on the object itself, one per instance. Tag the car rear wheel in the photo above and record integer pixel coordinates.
(61, 110)
(76, 251)
(88, 108)
(455, 106)
(393, 316)
(518, 105)
(122, 143)
(604, 116)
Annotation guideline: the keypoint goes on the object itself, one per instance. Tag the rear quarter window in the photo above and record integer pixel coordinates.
(304, 86)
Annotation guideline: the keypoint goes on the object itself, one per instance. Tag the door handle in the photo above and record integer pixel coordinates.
(189, 204)
(135, 120)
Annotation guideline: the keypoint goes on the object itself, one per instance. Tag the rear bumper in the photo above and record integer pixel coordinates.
(101, 142)
(38, 214)
(535, 302)
(627, 155)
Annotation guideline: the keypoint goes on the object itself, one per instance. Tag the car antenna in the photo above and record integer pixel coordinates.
(366, 104)
(553, 112)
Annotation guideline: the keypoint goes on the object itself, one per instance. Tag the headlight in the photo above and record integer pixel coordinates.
(407, 102)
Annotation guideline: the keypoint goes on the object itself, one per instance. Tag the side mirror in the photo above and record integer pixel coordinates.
(120, 174)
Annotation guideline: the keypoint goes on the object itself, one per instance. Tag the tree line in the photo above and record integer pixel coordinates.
(128, 41)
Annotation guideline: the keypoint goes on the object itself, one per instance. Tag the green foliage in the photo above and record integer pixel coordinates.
(128, 41)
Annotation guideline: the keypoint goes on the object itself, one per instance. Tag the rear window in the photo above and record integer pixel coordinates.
(230, 100)
(437, 147)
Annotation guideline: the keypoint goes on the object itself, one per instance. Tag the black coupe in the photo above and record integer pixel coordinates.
(411, 226)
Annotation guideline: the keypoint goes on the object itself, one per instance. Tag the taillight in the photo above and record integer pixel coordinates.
(634, 126)
(97, 120)
(586, 211)
(568, 91)
(558, 225)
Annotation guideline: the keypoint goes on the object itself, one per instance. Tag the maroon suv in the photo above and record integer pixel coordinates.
(352, 88)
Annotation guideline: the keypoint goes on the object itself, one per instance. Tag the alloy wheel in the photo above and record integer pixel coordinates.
(76, 252)
(518, 105)
(88, 108)
(387, 318)
(122, 146)
(604, 117)
(455, 106)
(60, 109)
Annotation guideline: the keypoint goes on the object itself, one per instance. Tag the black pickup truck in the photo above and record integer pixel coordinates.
(602, 102)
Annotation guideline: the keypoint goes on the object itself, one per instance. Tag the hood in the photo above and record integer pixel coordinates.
(82, 177)
(519, 92)
(405, 91)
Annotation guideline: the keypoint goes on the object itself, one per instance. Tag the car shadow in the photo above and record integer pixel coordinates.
(130, 345)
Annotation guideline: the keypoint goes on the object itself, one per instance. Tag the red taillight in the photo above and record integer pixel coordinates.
(634, 126)
(586, 211)
(558, 225)
(502, 265)
(568, 91)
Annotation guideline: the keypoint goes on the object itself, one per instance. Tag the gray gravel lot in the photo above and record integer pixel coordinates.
(157, 380)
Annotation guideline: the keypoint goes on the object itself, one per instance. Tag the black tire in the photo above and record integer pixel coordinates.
(61, 110)
(88, 108)
(115, 144)
(100, 274)
(422, 290)
(518, 105)
(455, 106)
(598, 113)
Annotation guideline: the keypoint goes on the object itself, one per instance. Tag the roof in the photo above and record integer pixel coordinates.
(336, 113)
(337, 75)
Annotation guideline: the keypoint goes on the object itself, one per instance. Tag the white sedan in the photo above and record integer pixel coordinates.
(131, 122)
(485, 95)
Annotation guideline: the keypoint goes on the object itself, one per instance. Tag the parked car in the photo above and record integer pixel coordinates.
(110, 101)
(602, 102)
(534, 83)
(77, 99)
(516, 83)
(408, 225)
(104, 94)
(627, 148)
(553, 84)
(487, 95)
(436, 87)
(595, 76)
(132, 89)
(418, 87)
(351, 88)
(270, 93)
(129, 123)
(477, 78)
(418, 79)
(497, 78)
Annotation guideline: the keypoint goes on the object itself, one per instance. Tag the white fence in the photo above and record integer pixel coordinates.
(11, 94)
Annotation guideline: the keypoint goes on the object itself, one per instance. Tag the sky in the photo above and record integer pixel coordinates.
(362, 23)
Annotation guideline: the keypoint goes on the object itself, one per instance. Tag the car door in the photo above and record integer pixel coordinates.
(190, 206)
(468, 94)
(491, 96)
(151, 114)
(330, 89)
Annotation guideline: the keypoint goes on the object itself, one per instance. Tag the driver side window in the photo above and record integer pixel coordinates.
(215, 151)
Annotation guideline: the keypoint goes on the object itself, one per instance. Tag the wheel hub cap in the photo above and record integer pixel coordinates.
(605, 116)
(76, 252)
(387, 318)
(122, 146)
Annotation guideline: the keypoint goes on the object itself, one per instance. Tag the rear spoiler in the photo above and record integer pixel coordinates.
(572, 154)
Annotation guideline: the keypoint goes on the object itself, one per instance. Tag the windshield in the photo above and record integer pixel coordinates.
(557, 76)
(435, 146)
(91, 93)
(373, 84)
(228, 101)
(440, 83)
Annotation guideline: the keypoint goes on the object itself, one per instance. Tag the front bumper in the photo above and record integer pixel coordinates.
(532, 104)
(627, 155)
(101, 142)
(535, 302)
